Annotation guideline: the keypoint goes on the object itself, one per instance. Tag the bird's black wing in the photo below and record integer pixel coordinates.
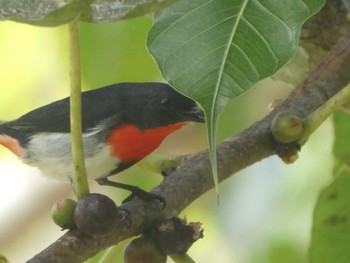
(109, 106)
(97, 106)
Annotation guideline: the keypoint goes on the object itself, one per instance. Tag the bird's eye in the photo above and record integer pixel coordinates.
(164, 100)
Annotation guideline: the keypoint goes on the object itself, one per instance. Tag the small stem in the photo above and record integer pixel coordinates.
(316, 118)
(80, 185)
(183, 258)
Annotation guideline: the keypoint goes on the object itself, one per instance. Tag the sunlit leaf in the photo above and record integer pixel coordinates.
(215, 50)
(331, 221)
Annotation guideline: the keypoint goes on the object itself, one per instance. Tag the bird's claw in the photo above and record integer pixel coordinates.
(125, 216)
(147, 196)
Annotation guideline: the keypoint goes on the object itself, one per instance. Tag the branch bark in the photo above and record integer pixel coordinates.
(193, 178)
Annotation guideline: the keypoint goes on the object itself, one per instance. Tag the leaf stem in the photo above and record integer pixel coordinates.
(316, 118)
(80, 183)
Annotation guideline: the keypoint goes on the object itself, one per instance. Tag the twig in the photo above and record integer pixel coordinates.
(315, 119)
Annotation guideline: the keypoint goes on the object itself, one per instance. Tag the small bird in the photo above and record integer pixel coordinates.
(121, 124)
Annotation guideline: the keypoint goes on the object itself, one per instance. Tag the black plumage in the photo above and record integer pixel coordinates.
(109, 106)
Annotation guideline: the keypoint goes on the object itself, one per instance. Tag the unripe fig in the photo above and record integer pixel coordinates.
(62, 213)
(143, 250)
(96, 215)
(286, 127)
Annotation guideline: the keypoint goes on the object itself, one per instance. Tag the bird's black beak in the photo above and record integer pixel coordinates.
(196, 114)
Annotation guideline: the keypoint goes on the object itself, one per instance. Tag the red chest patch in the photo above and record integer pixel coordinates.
(131, 144)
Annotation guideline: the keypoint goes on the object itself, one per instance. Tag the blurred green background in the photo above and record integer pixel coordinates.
(265, 211)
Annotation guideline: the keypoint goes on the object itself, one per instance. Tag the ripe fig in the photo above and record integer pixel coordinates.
(96, 215)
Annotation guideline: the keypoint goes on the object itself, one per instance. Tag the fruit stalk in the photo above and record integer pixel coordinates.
(80, 183)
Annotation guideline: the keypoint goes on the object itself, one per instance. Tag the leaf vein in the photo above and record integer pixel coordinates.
(170, 26)
(222, 66)
(196, 36)
(247, 58)
(276, 16)
(193, 65)
(262, 38)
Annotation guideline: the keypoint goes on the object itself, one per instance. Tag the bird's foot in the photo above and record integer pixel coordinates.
(136, 192)
(147, 196)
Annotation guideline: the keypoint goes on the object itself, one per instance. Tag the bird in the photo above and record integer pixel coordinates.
(121, 125)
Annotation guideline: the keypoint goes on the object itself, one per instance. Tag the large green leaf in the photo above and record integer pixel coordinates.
(330, 240)
(58, 12)
(215, 50)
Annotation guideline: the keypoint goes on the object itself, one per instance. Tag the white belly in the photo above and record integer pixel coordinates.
(51, 153)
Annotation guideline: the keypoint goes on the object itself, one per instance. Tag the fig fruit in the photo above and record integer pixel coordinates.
(62, 213)
(96, 215)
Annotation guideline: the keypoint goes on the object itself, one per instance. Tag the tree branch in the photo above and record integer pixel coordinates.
(193, 178)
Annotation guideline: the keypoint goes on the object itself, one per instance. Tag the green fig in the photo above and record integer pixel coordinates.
(62, 213)
(287, 127)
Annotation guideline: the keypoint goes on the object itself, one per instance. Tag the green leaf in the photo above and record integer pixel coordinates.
(58, 12)
(214, 51)
(330, 239)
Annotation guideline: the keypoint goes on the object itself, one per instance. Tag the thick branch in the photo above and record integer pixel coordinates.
(193, 178)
